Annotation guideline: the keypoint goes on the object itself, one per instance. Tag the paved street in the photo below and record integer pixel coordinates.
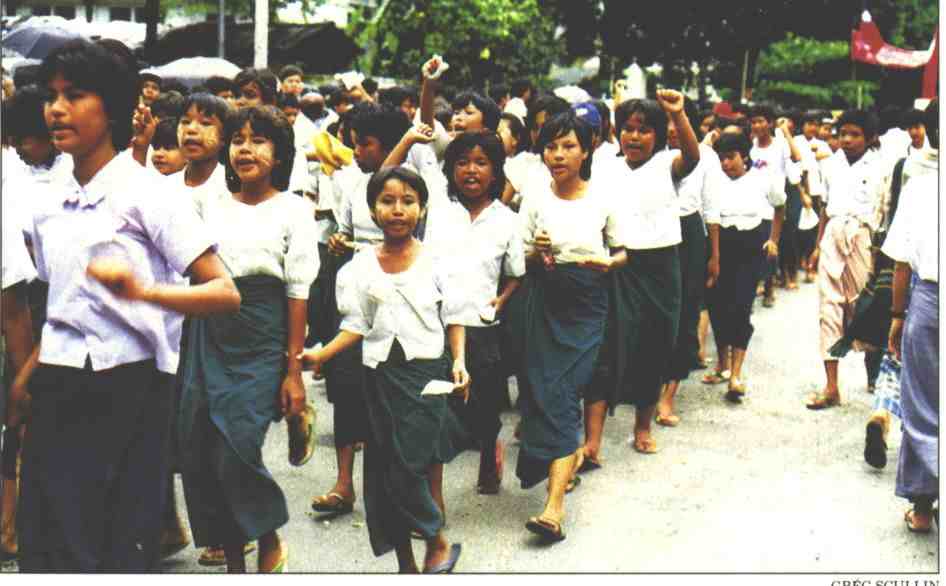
(767, 486)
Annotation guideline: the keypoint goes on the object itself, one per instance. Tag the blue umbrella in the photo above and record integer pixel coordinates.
(35, 42)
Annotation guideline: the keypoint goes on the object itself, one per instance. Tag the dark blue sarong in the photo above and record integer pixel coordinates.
(556, 324)
(231, 372)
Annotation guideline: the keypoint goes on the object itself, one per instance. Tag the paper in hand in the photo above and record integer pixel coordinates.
(438, 387)
(488, 314)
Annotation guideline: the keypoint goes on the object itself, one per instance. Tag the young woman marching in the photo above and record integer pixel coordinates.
(557, 319)
(94, 460)
(396, 301)
(488, 245)
(646, 293)
(696, 201)
(234, 375)
(745, 244)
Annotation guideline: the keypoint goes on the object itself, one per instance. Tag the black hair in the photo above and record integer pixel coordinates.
(810, 116)
(443, 115)
(932, 123)
(383, 175)
(175, 85)
(385, 124)
(912, 118)
(266, 86)
(346, 118)
(654, 117)
(485, 105)
(26, 75)
(520, 87)
(739, 143)
(552, 105)
(24, 117)
(218, 84)
(498, 92)
(889, 118)
(493, 149)
(395, 96)
(146, 76)
(763, 110)
(265, 121)
(168, 105)
(369, 85)
(95, 69)
(288, 101)
(165, 134)
(867, 121)
(208, 105)
(605, 112)
(564, 123)
(739, 108)
(518, 130)
(289, 71)
(121, 50)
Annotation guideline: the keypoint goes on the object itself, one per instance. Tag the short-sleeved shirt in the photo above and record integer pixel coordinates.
(125, 211)
(914, 235)
(412, 307)
(745, 202)
(695, 191)
(276, 237)
(578, 228)
(859, 190)
(483, 250)
(810, 162)
(16, 265)
(647, 201)
(776, 158)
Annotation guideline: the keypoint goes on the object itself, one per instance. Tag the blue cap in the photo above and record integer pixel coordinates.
(589, 113)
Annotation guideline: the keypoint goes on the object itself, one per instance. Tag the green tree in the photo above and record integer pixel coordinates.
(481, 39)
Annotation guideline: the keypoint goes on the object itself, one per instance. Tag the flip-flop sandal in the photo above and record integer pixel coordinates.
(667, 420)
(819, 401)
(546, 528)
(644, 447)
(911, 527)
(338, 504)
(447, 566)
(302, 443)
(214, 556)
(736, 391)
(715, 377)
(875, 448)
(574, 483)
(590, 464)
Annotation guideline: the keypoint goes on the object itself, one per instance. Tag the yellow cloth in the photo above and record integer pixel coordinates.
(332, 153)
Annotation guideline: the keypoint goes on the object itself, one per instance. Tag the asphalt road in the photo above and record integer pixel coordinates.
(766, 486)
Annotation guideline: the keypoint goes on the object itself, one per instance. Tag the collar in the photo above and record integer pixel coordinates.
(96, 189)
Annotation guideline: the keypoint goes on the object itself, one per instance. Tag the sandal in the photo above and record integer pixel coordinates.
(667, 420)
(736, 392)
(818, 401)
(910, 519)
(302, 436)
(716, 376)
(647, 446)
(546, 528)
(332, 503)
(214, 556)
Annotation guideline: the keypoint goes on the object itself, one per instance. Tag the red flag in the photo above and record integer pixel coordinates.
(931, 71)
(867, 46)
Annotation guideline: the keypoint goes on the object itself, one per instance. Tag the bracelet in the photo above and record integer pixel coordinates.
(897, 314)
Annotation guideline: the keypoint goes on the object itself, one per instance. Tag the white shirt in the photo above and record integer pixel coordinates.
(23, 181)
(695, 191)
(214, 186)
(577, 228)
(413, 306)
(304, 131)
(647, 200)
(16, 265)
(299, 176)
(894, 145)
(605, 155)
(776, 158)
(483, 250)
(745, 202)
(526, 169)
(810, 162)
(276, 237)
(914, 234)
(857, 190)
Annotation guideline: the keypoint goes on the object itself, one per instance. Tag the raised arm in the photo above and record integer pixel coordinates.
(672, 103)
(431, 71)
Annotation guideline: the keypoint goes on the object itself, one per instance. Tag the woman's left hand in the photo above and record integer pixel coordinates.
(461, 378)
(292, 395)
(118, 276)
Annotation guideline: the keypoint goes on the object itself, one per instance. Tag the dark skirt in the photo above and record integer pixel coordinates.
(645, 315)
(481, 414)
(918, 465)
(741, 264)
(408, 434)
(788, 241)
(94, 473)
(231, 373)
(693, 258)
(556, 322)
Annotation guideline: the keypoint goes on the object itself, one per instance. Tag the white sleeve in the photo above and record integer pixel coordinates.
(302, 253)
(349, 297)
(776, 192)
(16, 265)
(711, 185)
(899, 242)
(514, 264)
(343, 213)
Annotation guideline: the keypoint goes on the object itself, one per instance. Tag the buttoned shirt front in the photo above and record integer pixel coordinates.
(857, 191)
(124, 211)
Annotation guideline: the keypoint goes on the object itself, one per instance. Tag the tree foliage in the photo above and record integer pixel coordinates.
(480, 39)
